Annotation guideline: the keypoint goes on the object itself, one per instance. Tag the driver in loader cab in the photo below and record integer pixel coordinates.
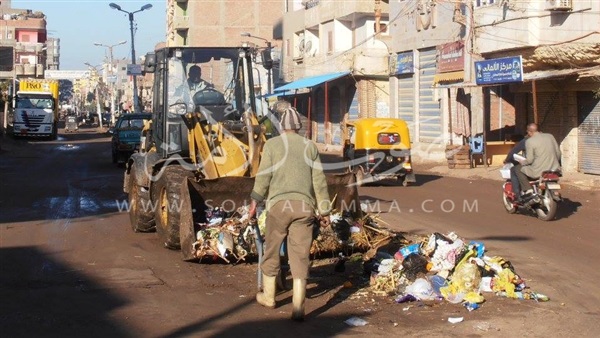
(195, 81)
(291, 179)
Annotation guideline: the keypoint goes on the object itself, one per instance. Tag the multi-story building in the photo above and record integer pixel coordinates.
(53, 54)
(221, 24)
(441, 85)
(559, 44)
(23, 38)
(335, 56)
(425, 33)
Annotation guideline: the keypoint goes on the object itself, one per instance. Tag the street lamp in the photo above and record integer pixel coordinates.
(267, 61)
(98, 109)
(110, 73)
(136, 104)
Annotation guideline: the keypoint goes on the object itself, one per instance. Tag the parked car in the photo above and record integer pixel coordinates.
(126, 135)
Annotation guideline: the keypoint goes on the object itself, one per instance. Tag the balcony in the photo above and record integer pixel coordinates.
(28, 47)
(327, 10)
(29, 70)
(181, 22)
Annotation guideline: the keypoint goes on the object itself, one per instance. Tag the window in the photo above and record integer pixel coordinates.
(480, 3)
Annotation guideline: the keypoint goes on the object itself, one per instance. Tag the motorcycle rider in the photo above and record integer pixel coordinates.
(542, 154)
(518, 148)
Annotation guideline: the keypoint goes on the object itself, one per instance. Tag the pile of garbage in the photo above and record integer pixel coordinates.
(233, 237)
(445, 267)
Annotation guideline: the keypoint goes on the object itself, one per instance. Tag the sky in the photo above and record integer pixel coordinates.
(80, 23)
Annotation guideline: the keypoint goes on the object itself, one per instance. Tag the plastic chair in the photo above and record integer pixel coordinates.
(477, 145)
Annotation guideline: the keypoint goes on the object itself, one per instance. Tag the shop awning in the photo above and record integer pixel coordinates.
(555, 73)
(311, 81)
(450, 76)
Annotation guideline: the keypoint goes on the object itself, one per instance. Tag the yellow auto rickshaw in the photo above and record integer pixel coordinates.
(377, 149)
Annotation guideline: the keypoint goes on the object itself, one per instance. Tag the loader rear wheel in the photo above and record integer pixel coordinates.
(167, 195)
(141, 215)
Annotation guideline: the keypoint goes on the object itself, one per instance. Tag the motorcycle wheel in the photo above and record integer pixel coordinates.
(508, 204)
(546, 210)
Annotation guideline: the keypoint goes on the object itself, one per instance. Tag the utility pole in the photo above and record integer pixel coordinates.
(136, 103)
(110, 78)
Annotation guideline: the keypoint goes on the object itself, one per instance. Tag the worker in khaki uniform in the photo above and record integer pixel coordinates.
(291, 178)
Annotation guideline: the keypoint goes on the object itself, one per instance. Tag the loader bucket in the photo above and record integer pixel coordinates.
(231, 193)
(343, 190)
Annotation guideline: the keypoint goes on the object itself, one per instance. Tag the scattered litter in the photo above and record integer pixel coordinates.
(406, 298)
(455, 320)
(471, 306)
(406, 308)
(355, 321)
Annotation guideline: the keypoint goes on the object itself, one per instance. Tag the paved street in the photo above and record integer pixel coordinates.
(70, 265)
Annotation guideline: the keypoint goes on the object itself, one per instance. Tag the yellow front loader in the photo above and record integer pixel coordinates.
(202, 148)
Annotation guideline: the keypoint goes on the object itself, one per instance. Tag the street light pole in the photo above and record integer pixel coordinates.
(266, 58)
(97, 91)
(136, 104)
(110, 74)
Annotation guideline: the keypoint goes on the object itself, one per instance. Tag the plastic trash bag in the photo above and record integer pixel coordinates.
(414, 264)
(421, 289)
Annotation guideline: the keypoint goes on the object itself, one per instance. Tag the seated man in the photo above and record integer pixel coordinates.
(195, 80)
(514, 180)
(542, 154)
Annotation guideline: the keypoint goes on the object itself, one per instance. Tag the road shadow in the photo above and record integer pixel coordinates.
(566, 208)
(324, 281)
(43, 297)
(324, 326)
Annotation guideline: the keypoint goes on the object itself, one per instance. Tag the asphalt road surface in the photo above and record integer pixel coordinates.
(70, 266)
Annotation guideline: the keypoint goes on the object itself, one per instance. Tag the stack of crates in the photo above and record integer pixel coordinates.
(458, 156)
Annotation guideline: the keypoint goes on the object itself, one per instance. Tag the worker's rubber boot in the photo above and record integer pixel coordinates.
(267, 296)
(299, 294)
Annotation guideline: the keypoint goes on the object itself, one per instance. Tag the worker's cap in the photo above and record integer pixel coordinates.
(280, 106)
(290, 119)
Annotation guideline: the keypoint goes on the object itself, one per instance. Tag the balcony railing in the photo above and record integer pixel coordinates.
(29, 47)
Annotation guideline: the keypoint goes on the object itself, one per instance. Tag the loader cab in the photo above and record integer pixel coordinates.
(224, 95)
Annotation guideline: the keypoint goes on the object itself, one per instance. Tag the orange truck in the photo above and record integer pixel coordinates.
(36, 108)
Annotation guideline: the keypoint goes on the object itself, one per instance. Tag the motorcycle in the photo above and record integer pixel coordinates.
(544, 199)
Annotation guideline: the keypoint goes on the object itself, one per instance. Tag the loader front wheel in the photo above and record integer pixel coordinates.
(167, 195)
(141, 215)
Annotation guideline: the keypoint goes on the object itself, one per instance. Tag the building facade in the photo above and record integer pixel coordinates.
(436, 86)
(561, 71)
(335, 55)
(53, 54)
(222, 23)
(23, 38)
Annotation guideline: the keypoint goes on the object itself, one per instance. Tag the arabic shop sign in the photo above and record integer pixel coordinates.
(403, 63)
(451, 57)
(503, 70)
